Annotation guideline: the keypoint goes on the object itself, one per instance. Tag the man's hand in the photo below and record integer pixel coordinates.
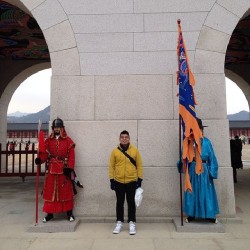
(38, 161)
(67, 172)
(180, 166)
(138, 183)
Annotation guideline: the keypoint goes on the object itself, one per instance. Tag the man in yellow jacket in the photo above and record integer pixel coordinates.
(125, 173)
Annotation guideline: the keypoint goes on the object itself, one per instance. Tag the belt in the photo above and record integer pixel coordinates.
(57, 157)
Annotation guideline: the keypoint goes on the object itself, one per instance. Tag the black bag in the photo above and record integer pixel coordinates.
(70, 173)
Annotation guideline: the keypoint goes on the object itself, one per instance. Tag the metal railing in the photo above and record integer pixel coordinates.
(20, 161)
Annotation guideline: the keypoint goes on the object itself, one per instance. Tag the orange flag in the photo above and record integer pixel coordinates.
(191, 132)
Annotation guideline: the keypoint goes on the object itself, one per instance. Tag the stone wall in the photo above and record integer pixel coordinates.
(114, 67)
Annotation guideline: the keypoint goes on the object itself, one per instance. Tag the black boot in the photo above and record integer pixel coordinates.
(189, 219)
(213, 220)
(48, 217)
(70, 216)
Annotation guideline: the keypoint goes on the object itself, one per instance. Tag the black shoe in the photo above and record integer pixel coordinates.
(71, 218)
(213, 220)
(189, 219)
(79, 184)
(48, 217)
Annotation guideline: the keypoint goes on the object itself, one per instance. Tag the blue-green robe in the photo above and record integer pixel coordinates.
(202, 201)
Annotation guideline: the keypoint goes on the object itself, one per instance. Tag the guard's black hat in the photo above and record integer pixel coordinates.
(57, 123)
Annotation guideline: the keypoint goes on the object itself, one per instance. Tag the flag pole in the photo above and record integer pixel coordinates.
(180, 159)
(180, 139)
(38, 172)
(37, 190)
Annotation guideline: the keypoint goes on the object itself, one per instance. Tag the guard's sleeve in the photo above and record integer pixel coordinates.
(213, 163)
(71, 154)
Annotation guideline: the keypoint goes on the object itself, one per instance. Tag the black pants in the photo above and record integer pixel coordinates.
(121, 191)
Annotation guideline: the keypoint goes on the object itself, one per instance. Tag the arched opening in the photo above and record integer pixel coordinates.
(238, 92)
(23, 52)
(29, 104)
(238, 55)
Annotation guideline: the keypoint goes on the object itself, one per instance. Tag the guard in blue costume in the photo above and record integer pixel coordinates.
(202, 201)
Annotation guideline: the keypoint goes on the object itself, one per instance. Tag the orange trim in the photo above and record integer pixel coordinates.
(198, 167)
(191, 124)
(187, 183)
(188, 144)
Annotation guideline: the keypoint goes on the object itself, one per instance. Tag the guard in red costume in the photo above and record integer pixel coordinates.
(58, 188)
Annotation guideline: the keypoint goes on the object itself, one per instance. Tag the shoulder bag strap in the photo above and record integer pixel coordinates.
(126, 154)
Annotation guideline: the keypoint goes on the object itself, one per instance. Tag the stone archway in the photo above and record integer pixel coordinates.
(9, 91)
(209, 67)
(23, 51)
(60, 39)
(214, 39)
(61, 44)
(237, 55)
(220, 19)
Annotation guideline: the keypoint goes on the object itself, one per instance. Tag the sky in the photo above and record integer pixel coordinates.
(236, 100)
(33, 95)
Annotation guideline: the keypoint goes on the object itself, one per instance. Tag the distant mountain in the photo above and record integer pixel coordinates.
(241, 116)
(18, 114)
(44, 115)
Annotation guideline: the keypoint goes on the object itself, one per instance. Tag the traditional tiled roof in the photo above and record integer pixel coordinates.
(239, 124)
(26, 126)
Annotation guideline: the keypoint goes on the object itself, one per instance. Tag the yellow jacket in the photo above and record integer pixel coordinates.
(120, 167)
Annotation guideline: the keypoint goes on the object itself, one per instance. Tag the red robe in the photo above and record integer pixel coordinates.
(57, 191)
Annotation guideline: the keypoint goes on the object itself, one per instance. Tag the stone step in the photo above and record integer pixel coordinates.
(54, 226)
(198, 226)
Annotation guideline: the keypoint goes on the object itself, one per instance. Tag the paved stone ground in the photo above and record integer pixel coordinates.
(17, 203)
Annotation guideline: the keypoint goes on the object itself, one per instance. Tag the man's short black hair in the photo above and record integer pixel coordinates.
(124, 132)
